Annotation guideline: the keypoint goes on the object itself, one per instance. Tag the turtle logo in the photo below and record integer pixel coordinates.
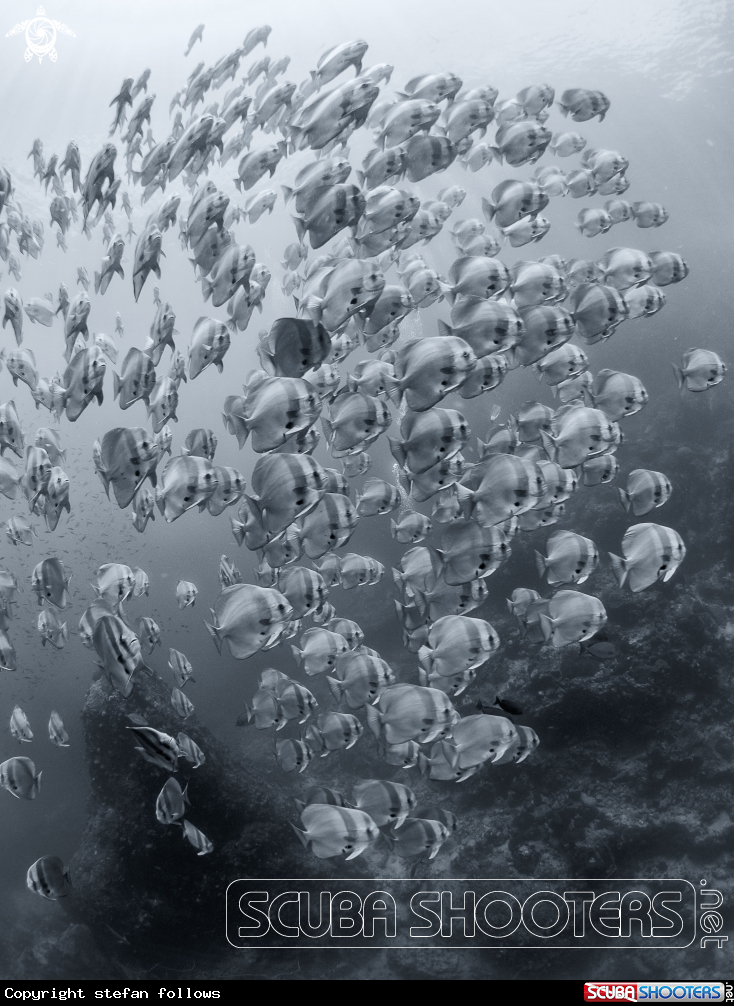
(40, 36)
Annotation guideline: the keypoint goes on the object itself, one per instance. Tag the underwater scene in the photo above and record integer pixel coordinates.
(366, 470)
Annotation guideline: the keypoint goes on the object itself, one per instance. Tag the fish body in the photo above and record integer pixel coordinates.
(702, 369)
(645, 491)
(571, 617)
(650, 552)
(333, 831)
(571, 558)
(18, 776)
(50, 582)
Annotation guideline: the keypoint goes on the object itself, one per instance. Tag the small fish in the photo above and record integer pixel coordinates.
(156, 747)
(56, 732)
(20, 728)
(702, 369)
(186, 592)
(191, 751)
(171, 803)
(333, 831)
(197, 838)
(49, 877)
(507, 704)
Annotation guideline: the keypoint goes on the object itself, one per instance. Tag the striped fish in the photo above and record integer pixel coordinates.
(18, 776)
(49, 877)
(156, 747)
(170, 806)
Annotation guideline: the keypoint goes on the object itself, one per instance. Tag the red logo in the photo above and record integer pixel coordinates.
(610, 992)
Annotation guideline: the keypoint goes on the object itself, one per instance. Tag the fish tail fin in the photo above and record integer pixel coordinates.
(97, 281)
(488, 209)
(297, 655)
(424, 762)
(116, 384)
(214, 633)
(37, 783)
(444, 328)
(397, 578)
(546, 626)
(625, 499)
(678, 375)
(305, 840)
(373, 720)
(335, 687)
(619, 568)
(287, 193)
(541, 564)
(423, 677)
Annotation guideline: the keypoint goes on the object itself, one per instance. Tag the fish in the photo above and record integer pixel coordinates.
(20, 728)
(161, 333)
(196, 838)
(49, 877)
(469, 551)
(338, 206)
(18, 776)
(51, 629)
(418, 837)
(249, 618)
(650, 552)
(137, 379)
(571, 558)
(387, 803)
(50, 581)
(186, 592)
(41, 310)
(668, 267)
(292, 754)
(21, 364)
(411, 528)
(191, 751)
(582, 104)
(649, 214)
(126, 458)
(360, 677)
(19, 531)
(149, 633)
(293, 347)
(572, 617)
(411, 712)
(83, 380)
(118, 652)
(13, 312)
(56, 732)
(186, 482)
(358, 570)
(332, 731)
(618, 395)
(702, 369)
(320, 648)
(156, 747)
(456, 644)
(599, 470)
(645, 491)
(377, 497)
(333, 831)
(355, 421)
(170, 806)
(181, 703)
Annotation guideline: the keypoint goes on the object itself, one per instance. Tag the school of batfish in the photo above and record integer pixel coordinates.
(374, 274)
